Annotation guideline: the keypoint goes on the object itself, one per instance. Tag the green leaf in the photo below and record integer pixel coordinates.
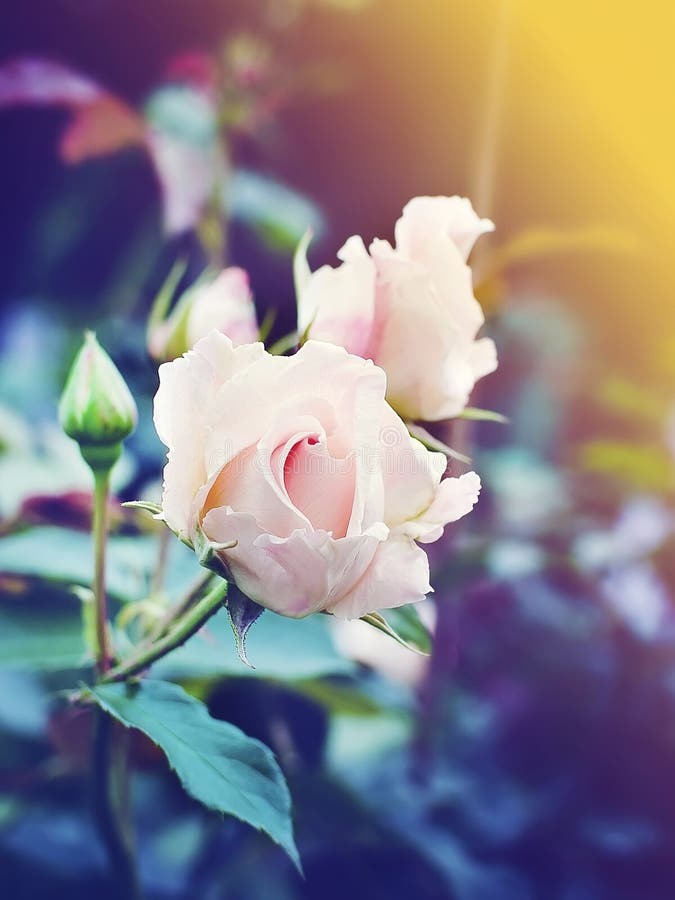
(56, 554)
(406, 622)
(474, 414)
(404, 625)
(217, 763)
(339, 699)
(623, 396)
(276, 212)
(24, 705)
(266, 325)
(641, 466)
(162, 302)
(35, 638)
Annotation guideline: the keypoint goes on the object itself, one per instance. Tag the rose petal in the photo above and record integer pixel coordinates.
(183, 411)
(296, 575)
(452, 217)
(454, 498)
(226, 304)
(398, 574)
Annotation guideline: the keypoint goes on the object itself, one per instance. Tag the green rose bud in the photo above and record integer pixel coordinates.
(96, 407)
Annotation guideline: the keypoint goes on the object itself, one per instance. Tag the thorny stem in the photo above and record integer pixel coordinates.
(181, 607)
(190, 624)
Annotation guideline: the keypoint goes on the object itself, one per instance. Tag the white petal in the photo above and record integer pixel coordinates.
(398, 574)
(452, 217)
(226, 304)
(303, 573)
(455, 498)
(183, 411)
(339, 303)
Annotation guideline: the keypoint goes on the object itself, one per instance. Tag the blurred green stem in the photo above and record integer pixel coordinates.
(110, 763)
(212, 230)
(101, 489)
(110, 798)
(188, 625)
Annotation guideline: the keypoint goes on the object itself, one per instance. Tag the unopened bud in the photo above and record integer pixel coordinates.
(96, 407)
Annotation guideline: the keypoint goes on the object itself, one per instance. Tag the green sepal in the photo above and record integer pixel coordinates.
(404, 625)
(207, 554)
(433, 443)
(153, 508)
(474, 414)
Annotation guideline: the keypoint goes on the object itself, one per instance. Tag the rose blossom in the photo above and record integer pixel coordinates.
(224, 302)
(303, 463)
(410, 308)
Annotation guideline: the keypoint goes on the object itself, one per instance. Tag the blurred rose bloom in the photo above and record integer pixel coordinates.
(303, 463)
(410, 308)
(366, 645)
(224, 303)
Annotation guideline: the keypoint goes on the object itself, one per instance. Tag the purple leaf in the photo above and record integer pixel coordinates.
(29, 80)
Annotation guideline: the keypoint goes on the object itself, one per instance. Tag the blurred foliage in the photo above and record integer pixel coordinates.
(216, 762)
(528, 756)
(531, 754)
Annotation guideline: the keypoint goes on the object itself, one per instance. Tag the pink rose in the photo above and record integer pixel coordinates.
(303, 463)
(224, 303)
(410, 308)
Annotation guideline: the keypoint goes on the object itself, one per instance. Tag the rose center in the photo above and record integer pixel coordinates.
(320, 485)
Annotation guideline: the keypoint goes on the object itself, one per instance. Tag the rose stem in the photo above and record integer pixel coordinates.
(101, 489)
(190, 624)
